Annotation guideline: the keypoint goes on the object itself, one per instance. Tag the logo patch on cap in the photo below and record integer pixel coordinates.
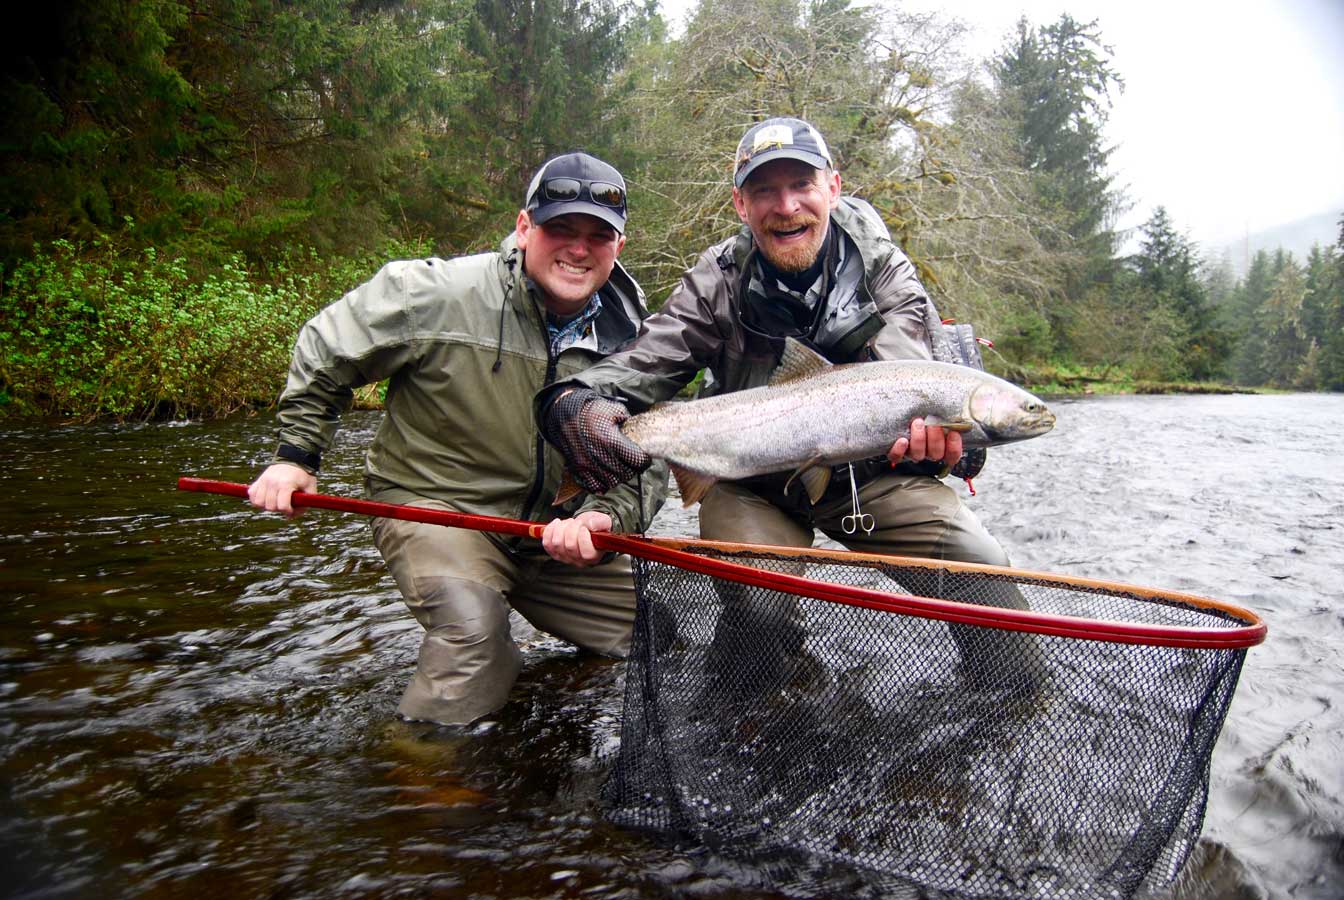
(772, 135)
(779, 138)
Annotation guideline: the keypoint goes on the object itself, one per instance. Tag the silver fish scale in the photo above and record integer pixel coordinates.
(840, 414)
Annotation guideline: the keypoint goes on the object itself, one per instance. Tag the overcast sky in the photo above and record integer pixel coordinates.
(1232, 115)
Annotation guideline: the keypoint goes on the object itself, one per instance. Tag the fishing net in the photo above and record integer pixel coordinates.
(922, 754)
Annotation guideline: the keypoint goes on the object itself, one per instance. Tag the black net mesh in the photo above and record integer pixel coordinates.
(965, 760)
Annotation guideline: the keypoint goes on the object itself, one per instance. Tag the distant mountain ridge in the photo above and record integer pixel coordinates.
(1296, 237)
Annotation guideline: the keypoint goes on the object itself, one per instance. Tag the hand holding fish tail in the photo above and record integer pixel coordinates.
(927, 442)
(586, 427)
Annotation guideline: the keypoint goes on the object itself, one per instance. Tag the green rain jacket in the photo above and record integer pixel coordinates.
(464, 346)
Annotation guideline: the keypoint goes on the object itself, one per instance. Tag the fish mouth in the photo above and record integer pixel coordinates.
(1020, 430)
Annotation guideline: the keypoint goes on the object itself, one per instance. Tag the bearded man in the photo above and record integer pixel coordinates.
(820, 267)
(809, 264)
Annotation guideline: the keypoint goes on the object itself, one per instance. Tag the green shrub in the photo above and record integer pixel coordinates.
(1023, 335)
(89, 332)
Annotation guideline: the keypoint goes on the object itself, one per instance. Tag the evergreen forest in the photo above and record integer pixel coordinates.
(184, 182)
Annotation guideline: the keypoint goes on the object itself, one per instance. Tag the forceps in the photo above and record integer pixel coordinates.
(856, 520)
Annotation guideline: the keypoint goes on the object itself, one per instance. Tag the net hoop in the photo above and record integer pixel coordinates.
(946, 748)
(688, 554)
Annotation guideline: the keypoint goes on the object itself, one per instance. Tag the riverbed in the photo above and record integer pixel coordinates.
(199, 700)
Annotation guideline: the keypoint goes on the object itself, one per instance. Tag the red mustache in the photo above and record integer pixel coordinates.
(792, 223)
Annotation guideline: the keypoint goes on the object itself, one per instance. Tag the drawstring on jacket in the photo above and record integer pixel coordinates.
(499, 344)
(499, 348)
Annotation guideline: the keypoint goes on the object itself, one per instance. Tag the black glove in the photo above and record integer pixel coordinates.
(586, 428)
(970, 464)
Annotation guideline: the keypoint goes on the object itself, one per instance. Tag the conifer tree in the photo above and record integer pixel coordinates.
(227, 125)
(1168, 269)
(1325, 280)
(548, 88)
(1057, 81)
(1281, 321)
(1248, 356)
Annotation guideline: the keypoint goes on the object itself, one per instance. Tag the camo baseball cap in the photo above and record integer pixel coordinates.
(779, 138)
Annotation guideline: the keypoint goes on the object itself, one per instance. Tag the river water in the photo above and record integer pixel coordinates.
(197, 700)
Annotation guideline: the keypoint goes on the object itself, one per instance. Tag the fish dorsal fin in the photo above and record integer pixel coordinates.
(798, 361)
(691, 484)
(815, 481)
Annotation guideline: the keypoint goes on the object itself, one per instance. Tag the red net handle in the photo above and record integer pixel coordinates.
(674, 551)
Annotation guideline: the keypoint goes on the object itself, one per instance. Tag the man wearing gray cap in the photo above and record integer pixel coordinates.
(464, 345)
(809, 264)
(812, 265)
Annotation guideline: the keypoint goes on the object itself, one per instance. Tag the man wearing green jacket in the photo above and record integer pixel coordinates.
(464, 345)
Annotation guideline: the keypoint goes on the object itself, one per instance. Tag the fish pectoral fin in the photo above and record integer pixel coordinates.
(950, 424)
(798, 361)
(568, 490)
(691, 484)
(814, 476)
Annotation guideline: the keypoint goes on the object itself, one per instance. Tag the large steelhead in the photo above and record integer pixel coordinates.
(814, 415)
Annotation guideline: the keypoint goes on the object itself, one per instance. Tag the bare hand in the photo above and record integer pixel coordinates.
(571, 540)
(273, 488)
(927, 442)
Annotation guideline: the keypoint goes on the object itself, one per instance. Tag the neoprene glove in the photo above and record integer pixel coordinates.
(586, 427)
(970, 464)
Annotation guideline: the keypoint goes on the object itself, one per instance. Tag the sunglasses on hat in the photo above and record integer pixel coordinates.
(565, 190)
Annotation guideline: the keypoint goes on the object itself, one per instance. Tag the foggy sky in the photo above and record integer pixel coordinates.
(1232, 116)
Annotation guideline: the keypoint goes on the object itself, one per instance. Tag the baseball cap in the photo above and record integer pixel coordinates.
(779, 138)
(577, 183)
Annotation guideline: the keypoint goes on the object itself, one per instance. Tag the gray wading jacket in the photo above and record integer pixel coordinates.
(876, 309)
(464, 345)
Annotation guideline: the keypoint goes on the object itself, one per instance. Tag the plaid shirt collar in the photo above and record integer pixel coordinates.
(566, 334)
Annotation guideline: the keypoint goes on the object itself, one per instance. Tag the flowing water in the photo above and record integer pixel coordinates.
(197, 700)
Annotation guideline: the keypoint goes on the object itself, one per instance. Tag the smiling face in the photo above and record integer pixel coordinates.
(569, 257)
(787, 205)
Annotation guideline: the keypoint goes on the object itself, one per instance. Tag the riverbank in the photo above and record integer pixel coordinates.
(1070, 381)
(135, 337)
